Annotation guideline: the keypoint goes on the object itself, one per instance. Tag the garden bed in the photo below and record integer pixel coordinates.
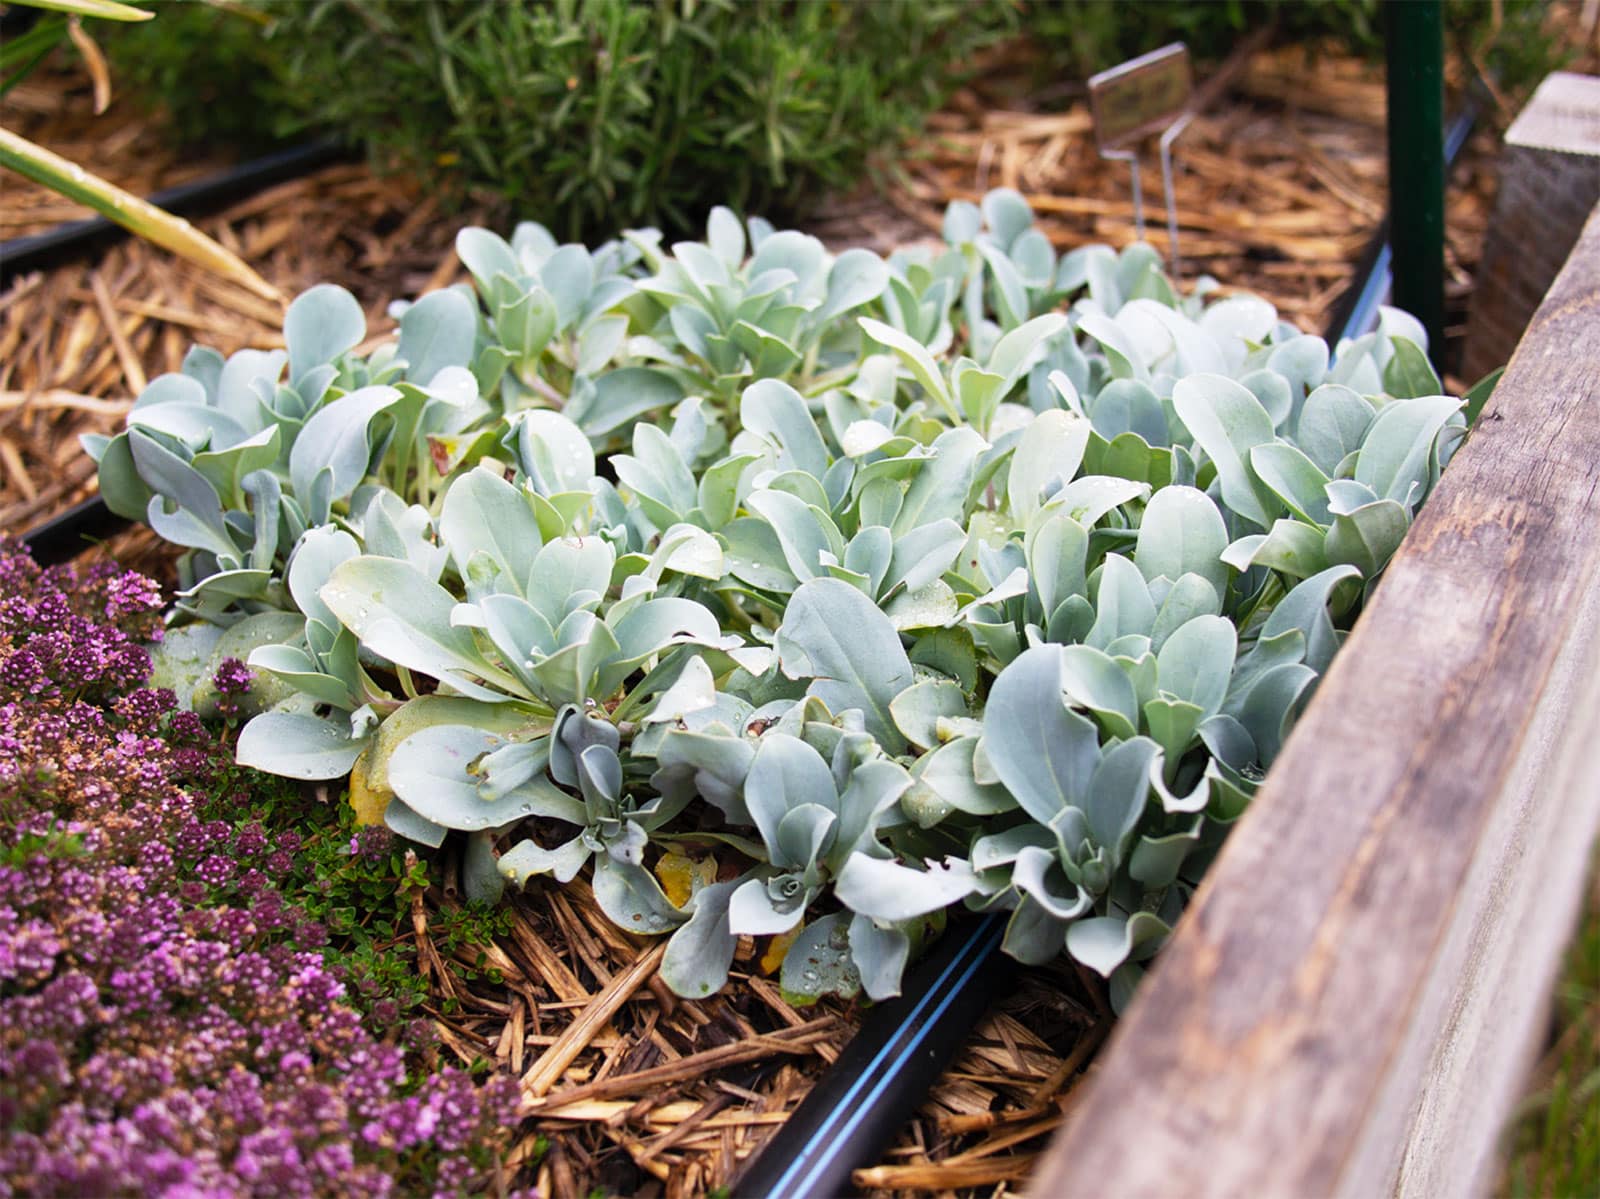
(561, 980)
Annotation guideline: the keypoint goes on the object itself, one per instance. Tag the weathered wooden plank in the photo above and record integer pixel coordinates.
(1348, 1005)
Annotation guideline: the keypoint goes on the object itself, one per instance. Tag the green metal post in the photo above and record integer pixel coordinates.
(1414, 42)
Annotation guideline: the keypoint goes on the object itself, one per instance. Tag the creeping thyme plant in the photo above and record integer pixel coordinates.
(175, 1017)
(793, 594)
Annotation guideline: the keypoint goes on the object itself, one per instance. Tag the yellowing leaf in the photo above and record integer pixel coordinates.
(368, 802)
(681, 875)
(778, 949)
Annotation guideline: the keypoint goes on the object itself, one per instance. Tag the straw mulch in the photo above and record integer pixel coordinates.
(630, 1089)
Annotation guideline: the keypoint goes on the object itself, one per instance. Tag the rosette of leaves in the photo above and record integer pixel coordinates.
(238, 459)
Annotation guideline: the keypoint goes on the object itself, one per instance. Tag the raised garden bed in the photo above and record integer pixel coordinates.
(691, 1146)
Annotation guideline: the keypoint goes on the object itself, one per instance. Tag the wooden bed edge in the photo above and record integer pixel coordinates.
(1350, 1002)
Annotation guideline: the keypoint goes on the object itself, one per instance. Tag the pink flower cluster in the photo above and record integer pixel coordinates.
(168, 1023)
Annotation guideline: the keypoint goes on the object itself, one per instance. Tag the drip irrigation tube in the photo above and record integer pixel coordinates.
(854, 1111)
(1356, 311)
(40, 251)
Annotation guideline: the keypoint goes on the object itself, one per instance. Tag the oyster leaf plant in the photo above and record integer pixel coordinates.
(865, 587)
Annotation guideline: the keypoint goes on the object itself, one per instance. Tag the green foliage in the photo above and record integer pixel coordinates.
(790, 593)
(1555, 1140)
(601, 113)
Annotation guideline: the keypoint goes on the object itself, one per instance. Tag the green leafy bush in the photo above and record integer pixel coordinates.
(793, 594)
(600, 112)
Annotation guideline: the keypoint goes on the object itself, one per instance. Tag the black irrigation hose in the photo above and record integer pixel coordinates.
(855, 1109)
(62, 537)
(1356, 309)
(21, 255)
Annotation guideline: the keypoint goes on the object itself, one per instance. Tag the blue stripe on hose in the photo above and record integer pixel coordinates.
(982, 941)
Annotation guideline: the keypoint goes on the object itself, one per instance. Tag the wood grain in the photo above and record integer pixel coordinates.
(1348, 1005)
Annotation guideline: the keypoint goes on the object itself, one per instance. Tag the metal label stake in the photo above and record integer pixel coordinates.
(1134, 100)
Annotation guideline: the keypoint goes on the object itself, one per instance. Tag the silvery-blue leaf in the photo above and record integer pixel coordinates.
(1394, 453)
(1050, 453)
(630, 895)
(887, 891)
(1088, 499)
(1181, 533)
(528, 859)
(1333, 423)
(484, 513)
(568, 275)
(1189, 597)
(1367, 537)
(915, 356)
(857, 277)
(299, 746)
(1306, 608)
(1304, 363)
(1272, 392)
(1229, 742)
(486, 254)
(948, 772)
(403, 616)
(480, 875)
(565, 567)
(320, 325)
(1121, 353)
(785, 773)
(1173, 723)
(865, 800)
(1007, 214)
(694, 690)
(1118, 793)
(803, 836)
(1001, 849)
(576, 729)
(1033, 937)
(962, 221)
(753, 912)
(837, 637)
(714, 766)
(776, 412)
(1291, 548)
(940, 488)
(623, 395)
(299, 670)
(430, 771)
(1129, 406)
(403, 822)
(700, 952)
(1196, 800)
(1197, 661)
(917, 709)
(880, 956)
(183, 526)
(336, 439)
(1037, 875)
(1104, 942)
(1122, 603)
(1092, 680)
(552, 451)
(804, 531)
(505, 769)
(1237, 320)
(1056, 549)
(820, 961)
(1272, 704)
(1228, 422)
(1157, 860)
(440, 330)
(1295, 479)
(921, 555)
